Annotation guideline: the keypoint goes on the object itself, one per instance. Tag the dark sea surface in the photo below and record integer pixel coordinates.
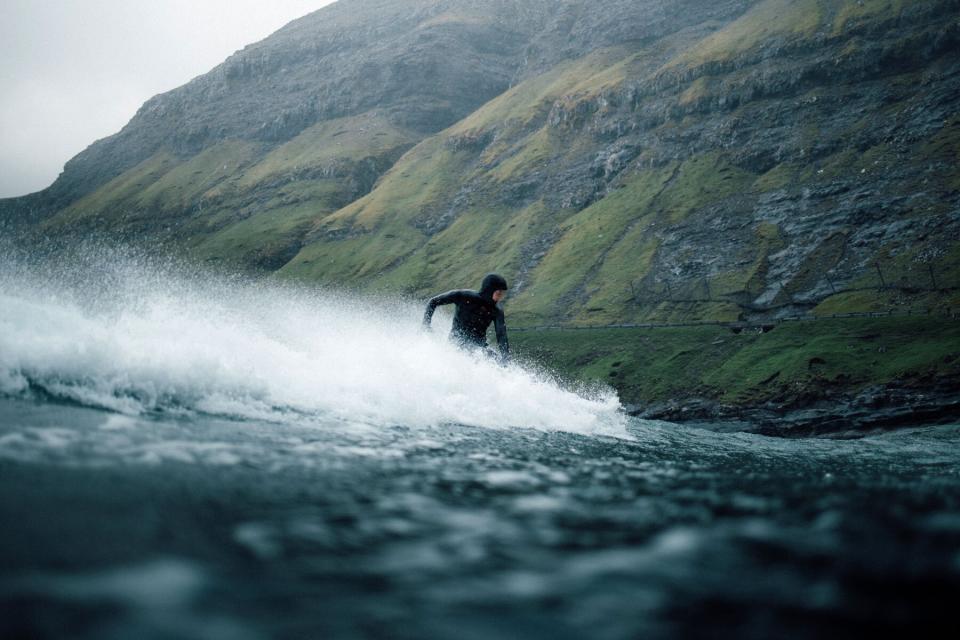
(146, 527)
(192, 458)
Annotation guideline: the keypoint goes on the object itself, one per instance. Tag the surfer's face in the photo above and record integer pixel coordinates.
(499, 295)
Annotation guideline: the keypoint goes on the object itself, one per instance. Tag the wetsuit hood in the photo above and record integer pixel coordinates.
(492, 282)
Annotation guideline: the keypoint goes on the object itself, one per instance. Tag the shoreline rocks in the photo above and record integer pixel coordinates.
(841, 415)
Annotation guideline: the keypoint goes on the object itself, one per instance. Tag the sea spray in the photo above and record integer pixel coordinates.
(121, 332)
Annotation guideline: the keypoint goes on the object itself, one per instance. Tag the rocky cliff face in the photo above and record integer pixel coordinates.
(405, 59)
(618, 160)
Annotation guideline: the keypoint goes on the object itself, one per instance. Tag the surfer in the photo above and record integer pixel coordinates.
(475, 311)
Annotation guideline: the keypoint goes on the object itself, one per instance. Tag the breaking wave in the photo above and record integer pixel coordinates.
(124, 334)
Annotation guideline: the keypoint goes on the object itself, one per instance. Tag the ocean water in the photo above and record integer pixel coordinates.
(191, 456)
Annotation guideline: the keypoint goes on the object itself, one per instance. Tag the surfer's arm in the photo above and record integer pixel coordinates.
(450, 297)
(500, 324)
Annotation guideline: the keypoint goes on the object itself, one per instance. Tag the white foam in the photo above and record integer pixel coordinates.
(152, 342)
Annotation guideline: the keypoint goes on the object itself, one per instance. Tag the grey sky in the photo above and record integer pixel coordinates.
(74, 71)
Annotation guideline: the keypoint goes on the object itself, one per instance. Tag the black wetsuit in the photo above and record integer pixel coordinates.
(475, 311)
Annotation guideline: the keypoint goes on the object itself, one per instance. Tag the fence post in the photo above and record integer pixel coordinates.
(830, 282)
(883, 283)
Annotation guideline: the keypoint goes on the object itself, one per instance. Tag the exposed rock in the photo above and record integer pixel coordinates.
(823, 412)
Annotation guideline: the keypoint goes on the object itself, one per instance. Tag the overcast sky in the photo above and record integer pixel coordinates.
(74, 71)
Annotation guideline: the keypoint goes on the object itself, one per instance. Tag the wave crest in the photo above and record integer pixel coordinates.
(153, 341)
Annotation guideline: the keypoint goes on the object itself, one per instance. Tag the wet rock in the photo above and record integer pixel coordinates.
(807, 413)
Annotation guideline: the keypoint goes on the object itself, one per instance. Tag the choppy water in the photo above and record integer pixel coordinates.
(181, 459)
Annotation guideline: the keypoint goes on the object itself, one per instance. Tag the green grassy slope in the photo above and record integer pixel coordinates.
(453, 208)
(771, 19)
(398, 234)
(241, 203)
(793, 361)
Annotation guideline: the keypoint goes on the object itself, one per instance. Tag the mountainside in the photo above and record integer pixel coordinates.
(616, 160)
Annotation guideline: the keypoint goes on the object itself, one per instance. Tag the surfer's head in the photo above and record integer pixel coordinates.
(494, 287)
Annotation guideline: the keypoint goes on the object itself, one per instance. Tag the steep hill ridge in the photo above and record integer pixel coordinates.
(618, 160)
